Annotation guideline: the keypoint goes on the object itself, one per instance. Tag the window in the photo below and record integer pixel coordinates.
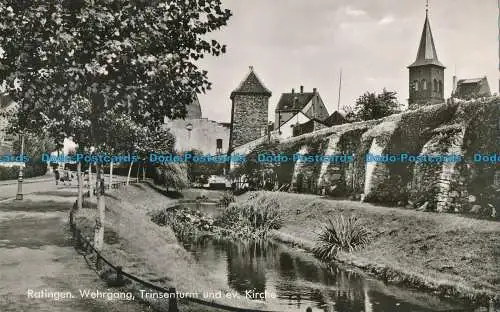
(436, 87)
(218, 146)
(415, 85)
(440, 86)
(424, 84)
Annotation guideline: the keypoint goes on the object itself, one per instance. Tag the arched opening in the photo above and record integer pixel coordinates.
(440, 86)
(415, 85)
(436, 87)
(424, 84)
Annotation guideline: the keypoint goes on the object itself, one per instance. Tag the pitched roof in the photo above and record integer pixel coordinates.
(306, 127)
(294, 101)
(336, 118)
(473, 80)
(475, 87)
(251, 85)
(426, 54)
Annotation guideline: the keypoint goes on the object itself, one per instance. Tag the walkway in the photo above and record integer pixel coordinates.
(37, 257)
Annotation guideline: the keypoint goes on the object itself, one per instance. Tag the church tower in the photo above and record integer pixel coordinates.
(427, 72)
(250, 102)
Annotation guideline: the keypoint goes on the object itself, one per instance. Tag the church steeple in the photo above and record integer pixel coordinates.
(426, 81)
(426, 50)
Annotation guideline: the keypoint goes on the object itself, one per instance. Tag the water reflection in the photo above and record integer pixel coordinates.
(299, 280)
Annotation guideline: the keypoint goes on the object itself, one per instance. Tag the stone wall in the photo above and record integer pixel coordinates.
(461, 129)
(249, 118)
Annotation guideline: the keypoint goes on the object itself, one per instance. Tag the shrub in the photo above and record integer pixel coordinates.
(340, 234)
(175, 176)
(227, 199)
(186, 223)
(255, 217)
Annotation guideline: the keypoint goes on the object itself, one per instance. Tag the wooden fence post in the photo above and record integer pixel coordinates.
(119, 276)
(88, 246)
(98, 261)
(172, 302)
(78, 238)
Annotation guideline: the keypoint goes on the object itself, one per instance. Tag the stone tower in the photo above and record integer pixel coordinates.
(250, 101)
(426, 73)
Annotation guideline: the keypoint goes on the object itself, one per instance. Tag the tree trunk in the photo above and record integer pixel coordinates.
(101, 207)
(137, 175)
(91, 182)
(110, 175)
(80, 185)
(143, 172)
(129, 172)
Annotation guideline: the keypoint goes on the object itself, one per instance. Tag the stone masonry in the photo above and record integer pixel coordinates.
(250, 101)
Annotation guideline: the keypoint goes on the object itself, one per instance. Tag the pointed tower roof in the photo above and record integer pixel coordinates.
(251, 85)
(426, 54)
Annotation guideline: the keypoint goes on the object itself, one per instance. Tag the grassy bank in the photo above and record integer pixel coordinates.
(152, 252)
(443, 253)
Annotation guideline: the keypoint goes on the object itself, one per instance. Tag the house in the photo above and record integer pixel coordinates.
(296, 108)
(467, 89)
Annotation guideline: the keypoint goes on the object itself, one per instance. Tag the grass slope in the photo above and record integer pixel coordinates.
(447, 254)
(152, 252)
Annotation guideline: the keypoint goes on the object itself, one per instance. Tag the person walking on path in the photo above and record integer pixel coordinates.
(57, 176)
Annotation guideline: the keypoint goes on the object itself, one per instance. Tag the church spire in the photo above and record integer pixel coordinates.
(426, 54)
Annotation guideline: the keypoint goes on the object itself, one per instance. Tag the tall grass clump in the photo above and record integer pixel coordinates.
(227, 199)
(340, 234)
(254, 218)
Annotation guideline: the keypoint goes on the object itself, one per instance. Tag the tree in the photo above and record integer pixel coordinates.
(116, 57)
(374, 106)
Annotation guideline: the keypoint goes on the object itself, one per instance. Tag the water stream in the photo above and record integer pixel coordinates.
(293, 280)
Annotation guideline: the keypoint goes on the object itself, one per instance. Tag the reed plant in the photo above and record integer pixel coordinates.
(340, 234)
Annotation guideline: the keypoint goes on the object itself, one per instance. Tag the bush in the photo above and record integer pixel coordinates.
(186, 223)
(9, 173)
(254, 218)
(30, 171)
(227, 199)
(174, 176)
(340, 234)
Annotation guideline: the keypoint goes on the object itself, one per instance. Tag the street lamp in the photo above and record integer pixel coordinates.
(189, 128)
(19, 195)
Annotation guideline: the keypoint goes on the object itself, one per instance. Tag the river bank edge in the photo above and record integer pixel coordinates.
(385, 264)
(161, 258)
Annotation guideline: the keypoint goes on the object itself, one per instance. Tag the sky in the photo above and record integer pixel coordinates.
(307, 42)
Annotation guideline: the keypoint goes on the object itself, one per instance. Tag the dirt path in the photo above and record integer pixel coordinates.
(37, 259)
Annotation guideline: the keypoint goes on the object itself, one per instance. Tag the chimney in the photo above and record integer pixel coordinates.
(301, 89)
(454, 85)
(293, 90)
(315, 90)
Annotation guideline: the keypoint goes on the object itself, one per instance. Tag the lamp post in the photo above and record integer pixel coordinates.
(189, 128)
(19, 195)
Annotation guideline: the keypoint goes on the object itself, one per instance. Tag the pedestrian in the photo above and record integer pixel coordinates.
(57, 176)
